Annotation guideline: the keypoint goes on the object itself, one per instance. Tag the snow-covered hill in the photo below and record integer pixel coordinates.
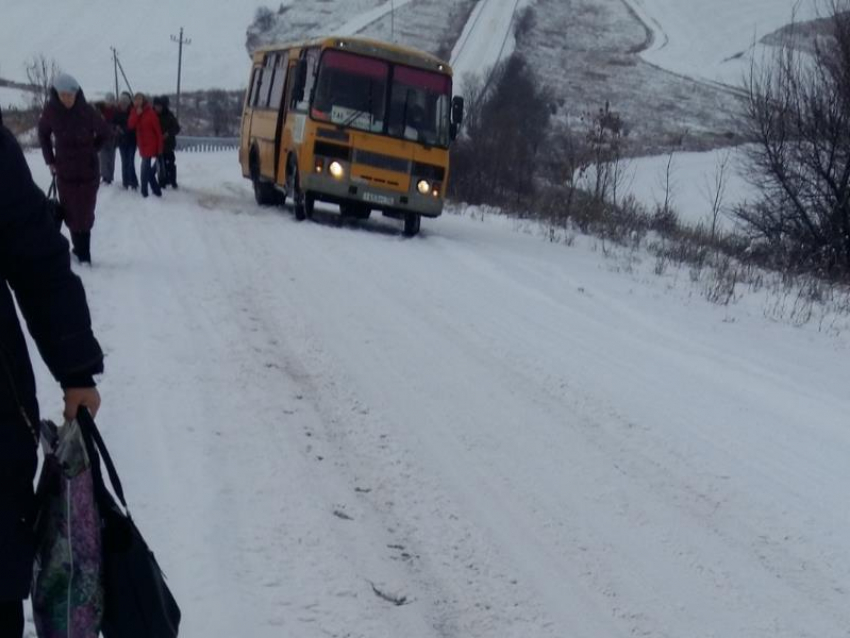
(509, 437)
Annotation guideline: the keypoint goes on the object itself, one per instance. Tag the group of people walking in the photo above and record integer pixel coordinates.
(79, 144)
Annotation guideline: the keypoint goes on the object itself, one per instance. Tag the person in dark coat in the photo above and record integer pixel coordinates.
(106, 155)
(35, 268)
(71, 133)
(170, 130)
(145, 122)
(126, 142)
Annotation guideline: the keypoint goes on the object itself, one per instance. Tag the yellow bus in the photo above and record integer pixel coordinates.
(355, 122)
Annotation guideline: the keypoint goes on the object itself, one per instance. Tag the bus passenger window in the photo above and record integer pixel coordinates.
(312, 59)
(279, 81)
(256, 81)
(268, 78)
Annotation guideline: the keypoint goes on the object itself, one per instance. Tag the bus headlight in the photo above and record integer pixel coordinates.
(423, 187)
(336, 169)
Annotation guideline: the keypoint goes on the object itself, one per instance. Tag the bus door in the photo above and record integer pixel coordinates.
(277, 100)
(248, 110)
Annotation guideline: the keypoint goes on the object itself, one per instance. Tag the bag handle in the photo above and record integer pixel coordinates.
(51, 192)
(93, 438)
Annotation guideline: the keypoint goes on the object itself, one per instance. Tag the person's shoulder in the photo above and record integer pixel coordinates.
(14, 171)
(8, 142)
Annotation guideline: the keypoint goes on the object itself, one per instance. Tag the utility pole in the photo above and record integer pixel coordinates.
(180, 40)
(115, 68)
(392, 21)
(120, 67)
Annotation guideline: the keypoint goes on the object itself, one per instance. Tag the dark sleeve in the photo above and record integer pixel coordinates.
(102, 130)
(35, 262)
(174, 126)
(45, 131)
(158, 132)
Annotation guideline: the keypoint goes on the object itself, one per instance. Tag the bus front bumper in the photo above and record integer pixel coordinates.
(341, 191)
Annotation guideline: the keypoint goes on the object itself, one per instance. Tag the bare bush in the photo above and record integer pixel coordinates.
(798, 113)
(606, 140)
(714, 189)
(41, 72)
(222, 117)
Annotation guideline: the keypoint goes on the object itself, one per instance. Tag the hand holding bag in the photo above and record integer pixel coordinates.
(56, 210)
(67, 595)
(138, 603)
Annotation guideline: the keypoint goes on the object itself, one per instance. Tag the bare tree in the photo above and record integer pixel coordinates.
(40, 72)
(506, 128)
(798, 114)
(221, 113)
(714, 190)
(605, 139)
(569, 161)
(667, 185)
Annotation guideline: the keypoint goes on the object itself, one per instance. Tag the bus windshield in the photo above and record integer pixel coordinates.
(373, 95)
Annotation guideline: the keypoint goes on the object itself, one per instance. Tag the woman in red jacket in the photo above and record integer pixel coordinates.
(144, 120)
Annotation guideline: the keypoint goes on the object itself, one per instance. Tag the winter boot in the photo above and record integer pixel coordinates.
(82, 246)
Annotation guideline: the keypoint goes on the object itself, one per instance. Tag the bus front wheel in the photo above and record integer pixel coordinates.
(412, 221)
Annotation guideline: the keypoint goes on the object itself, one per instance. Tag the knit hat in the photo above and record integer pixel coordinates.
(157, 101)
(64, 83)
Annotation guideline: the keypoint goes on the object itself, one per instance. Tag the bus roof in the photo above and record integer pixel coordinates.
(366, 46)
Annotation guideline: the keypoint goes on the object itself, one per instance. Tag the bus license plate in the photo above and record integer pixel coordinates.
(375, 198)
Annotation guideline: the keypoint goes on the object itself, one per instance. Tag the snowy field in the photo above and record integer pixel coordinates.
(693, 184)
(511, 438)
(715, 40)
(13, 98)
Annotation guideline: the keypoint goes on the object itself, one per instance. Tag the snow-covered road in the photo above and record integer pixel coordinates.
(714, 41)
(487, 38)
(360, 22)
(510, 436)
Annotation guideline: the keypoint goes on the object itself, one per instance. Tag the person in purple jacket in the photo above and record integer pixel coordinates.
(71, 133)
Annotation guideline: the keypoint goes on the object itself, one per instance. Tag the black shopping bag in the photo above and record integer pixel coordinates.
(138, 603)
(54, 208)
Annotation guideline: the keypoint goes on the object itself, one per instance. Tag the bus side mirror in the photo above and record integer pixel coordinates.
(453, 131)
(457, 110)
(299, 81)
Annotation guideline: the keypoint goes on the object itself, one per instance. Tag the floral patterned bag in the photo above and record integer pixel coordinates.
(67, 596)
